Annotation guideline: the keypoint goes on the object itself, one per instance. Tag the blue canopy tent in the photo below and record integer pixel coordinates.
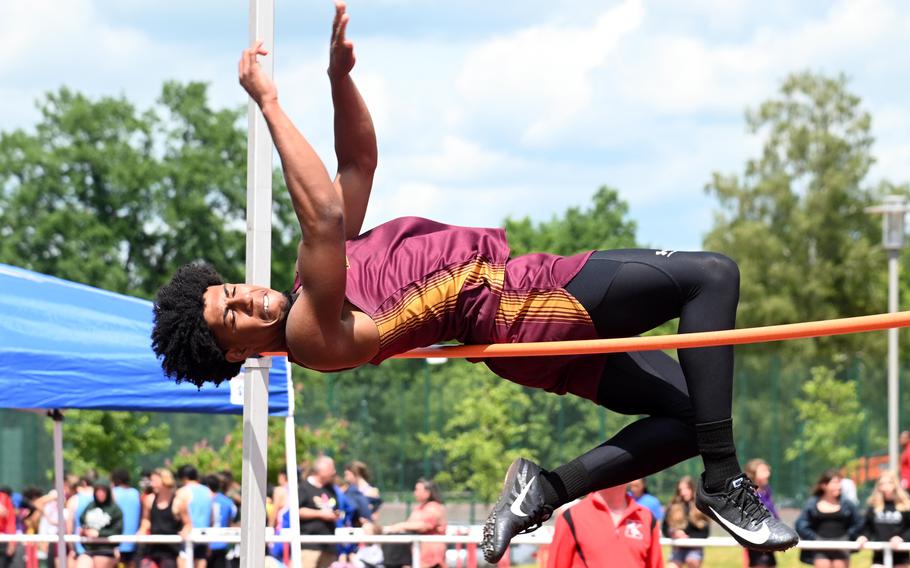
(65, 345)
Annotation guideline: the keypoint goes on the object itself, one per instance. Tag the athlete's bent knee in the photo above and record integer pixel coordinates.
(720, 269)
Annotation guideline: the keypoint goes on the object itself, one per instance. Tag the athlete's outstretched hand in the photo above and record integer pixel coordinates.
(341, 52)
(253, 78)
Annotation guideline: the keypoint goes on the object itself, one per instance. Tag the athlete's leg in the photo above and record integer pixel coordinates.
(640, 289)
(649, 383)
(632, 383)
(626, 293)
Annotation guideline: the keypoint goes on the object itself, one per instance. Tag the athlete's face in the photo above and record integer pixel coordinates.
(245, 319)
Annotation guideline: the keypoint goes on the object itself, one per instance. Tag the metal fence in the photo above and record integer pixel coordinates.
(470, 539)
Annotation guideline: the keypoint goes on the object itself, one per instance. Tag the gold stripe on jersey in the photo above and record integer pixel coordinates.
(541, 306)
(435, 297)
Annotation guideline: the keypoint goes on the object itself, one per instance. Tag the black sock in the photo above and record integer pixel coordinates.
(565, 483)
(718, 452)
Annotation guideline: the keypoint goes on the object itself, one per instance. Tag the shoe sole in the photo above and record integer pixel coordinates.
(489, 527)
(487, 543)
(744, 543)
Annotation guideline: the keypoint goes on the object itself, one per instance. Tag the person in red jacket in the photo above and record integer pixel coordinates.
(7, 526)
(905, 459)
(607, 528)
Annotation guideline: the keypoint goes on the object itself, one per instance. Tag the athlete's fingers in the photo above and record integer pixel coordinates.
(339, 12)
(243, 63)
(342, 27)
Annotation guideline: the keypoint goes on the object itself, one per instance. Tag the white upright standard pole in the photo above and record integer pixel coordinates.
(57, 417)
(290, 450)
(258, 262)
(893, 394)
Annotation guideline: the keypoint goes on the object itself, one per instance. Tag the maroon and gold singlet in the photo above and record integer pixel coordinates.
(424, 282)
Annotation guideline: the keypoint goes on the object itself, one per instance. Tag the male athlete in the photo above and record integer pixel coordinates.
(412, 282)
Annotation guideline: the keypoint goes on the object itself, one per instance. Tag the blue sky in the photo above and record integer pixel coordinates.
(492, 109)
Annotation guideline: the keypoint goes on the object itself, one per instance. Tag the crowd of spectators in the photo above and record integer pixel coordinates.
(623, 524)
(166, 502)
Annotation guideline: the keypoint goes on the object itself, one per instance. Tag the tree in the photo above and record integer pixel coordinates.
(602, 226)
(109, 195)
(309, 442)
(482, 433)
(795, 221)
(103, 441)
(831, 416)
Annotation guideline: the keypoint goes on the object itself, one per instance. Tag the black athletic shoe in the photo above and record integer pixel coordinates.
(738, 510)
(520, 509)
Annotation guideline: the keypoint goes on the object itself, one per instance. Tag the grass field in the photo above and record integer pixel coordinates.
(733, 558)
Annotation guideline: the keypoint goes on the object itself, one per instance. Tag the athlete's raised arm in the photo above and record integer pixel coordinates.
(320, 212)
(355, 138)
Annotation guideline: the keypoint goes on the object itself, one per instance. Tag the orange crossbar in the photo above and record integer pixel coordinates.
(801, 330)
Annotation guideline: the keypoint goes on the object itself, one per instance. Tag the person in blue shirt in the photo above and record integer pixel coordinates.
(224, 513)
(127, 498)
(199, 502)
(638, 489)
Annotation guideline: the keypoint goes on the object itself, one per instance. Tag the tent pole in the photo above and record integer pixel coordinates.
(290, 445)
(258, 261)
(57, 417)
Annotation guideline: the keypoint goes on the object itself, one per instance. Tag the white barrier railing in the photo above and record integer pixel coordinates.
(347, 536)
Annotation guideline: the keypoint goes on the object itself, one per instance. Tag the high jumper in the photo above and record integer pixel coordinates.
(364, 297)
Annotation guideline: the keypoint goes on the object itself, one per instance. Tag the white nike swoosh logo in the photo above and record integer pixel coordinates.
(516, 505)
(755, 537)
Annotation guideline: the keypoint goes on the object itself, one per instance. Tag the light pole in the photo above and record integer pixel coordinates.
(426, 409)
(893, 209)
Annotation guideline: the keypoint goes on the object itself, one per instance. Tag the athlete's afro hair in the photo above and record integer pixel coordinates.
(181, 338)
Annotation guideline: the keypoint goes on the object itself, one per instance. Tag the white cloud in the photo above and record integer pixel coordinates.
(643, 95)
(541, 76)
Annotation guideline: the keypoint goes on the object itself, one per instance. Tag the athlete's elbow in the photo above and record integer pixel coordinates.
(325, 218)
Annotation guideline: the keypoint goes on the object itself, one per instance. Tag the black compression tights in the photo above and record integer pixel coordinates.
(628, 292)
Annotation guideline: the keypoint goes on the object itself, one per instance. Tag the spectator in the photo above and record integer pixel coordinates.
(130, 503)
(370, 556)
(759, 472)
(74, 509)
(887, 518)
(198, 499)
(607, 528)
(683, 520)
(346, 519)
(7, 526)
(428, 517)
(279, 499)
(360, 478)
(905, 459)
(828, 516)
(102, 518)
(318, 512)
(224, 515)
(848, 487)
(638, 488)
(145, 482)
(164, 513)
(361, 505)
(50, 517)
(233, 488)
